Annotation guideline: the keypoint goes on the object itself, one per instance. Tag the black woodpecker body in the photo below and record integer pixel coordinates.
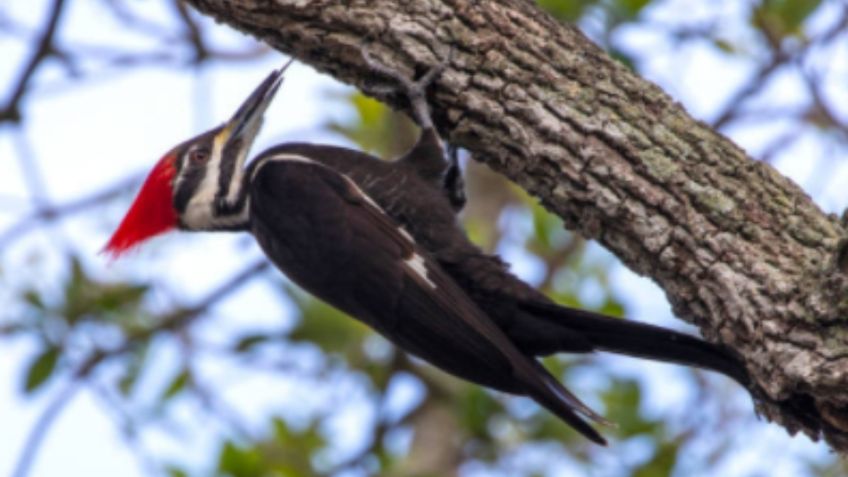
(380, 241)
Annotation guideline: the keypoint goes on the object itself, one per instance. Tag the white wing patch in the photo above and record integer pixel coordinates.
(416, 262)
(199, 210)
(418, 266)
(405, 234)
(364, 195)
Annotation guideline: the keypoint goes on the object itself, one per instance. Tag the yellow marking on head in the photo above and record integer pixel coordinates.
(222, 137)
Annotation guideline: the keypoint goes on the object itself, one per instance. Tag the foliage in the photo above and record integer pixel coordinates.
(88, 328)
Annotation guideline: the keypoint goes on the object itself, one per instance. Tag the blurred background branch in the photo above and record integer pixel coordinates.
(44, 50)
(253, 377)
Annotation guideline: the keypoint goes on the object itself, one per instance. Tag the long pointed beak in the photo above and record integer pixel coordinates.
(244, 124)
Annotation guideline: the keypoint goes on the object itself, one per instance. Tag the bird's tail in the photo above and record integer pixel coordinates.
(540, 384)
(562, 329)
(551, 394)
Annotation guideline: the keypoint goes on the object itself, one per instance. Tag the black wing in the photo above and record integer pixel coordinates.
(321, 230)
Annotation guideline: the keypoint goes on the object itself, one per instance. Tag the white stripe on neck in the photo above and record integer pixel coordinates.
(281, 157)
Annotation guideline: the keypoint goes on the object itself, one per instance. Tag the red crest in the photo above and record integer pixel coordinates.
(152, 212)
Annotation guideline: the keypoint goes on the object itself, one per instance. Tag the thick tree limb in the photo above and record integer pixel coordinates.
(740, 250)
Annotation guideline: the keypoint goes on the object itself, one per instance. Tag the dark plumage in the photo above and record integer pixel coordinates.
(363, 249)
(537, 325)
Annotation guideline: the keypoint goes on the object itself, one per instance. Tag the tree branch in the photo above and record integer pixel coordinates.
(11, 110)
(53, 212)
(175, 320)
(740, 250)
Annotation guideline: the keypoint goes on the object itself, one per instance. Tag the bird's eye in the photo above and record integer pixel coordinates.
(198, 156)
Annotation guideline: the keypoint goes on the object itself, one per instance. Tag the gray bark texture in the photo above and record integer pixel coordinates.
(741, 251)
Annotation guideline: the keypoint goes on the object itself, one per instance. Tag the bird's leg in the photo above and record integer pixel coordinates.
(427, 156)
(452, 181)
(414, 90)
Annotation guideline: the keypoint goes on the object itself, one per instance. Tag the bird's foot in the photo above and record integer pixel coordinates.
(415, 90)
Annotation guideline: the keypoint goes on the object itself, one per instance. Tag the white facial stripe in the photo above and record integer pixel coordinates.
(236, 180)
(199, 211)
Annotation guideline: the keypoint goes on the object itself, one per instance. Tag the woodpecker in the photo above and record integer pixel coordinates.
(380, 241)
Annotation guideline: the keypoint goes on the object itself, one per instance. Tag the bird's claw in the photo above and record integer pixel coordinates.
(414, 90)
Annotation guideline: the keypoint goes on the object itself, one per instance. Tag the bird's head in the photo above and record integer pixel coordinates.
(199, 184)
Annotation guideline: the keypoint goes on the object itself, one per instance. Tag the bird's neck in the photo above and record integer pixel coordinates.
(231, 208)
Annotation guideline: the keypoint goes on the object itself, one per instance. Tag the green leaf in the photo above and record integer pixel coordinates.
(781, 18)
(378, 130)
(238, 461)
(34, 299)
(724, 46)
(662, 463)
(133, 368)
(307, 440)
(177, 384)
(476, 408)
(370, 110)
(566, 10)
(622, 401)
(86, 298)
(544, 225)
(116, 297)
(41, 368)
(548, 427)
(611, 307)
(174, 471)
(249, 341)
(75, 292)
(630, 9)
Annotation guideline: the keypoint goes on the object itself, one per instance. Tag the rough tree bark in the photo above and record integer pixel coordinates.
(740, 250)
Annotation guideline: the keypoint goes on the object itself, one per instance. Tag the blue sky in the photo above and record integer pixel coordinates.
(88, 134)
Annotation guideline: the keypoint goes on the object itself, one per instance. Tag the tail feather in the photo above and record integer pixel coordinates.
(540, 384)
(582, 331)
(551, 394)
(568, 415)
